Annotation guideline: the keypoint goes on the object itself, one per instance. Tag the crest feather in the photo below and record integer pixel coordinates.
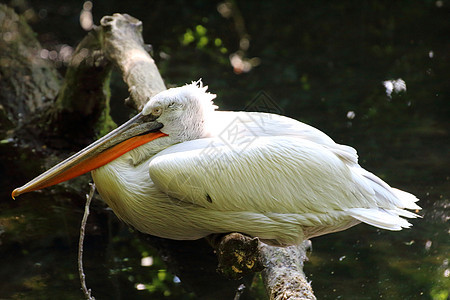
(197, 87)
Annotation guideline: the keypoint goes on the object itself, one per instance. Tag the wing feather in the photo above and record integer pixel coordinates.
(271, 174)
(265, 124)
(276, 166)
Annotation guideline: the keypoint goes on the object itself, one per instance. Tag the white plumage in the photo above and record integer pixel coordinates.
(256, 173)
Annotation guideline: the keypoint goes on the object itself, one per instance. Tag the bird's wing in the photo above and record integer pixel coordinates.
(276, 165)
(275, 174)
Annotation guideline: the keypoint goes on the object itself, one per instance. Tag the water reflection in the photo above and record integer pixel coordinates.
(396, 85)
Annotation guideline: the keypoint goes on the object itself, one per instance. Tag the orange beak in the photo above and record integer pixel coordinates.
(134, 133)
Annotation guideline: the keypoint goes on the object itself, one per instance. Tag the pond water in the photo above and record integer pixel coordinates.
(371, 74)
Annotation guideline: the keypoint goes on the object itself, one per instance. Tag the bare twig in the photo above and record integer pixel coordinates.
(86, 291)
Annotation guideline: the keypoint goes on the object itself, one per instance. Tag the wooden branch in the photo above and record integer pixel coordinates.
(283, 274)
(123, 44)
(238, 254)
(282, 267)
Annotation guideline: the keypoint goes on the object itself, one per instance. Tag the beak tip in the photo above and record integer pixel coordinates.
(15, 193)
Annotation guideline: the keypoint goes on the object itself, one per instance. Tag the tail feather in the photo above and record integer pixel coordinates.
(386, 207)
(390, 197)
(405, 213)
(407, 200)
(379, 218)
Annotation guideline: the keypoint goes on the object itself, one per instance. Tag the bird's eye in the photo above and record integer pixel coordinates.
(156, 111)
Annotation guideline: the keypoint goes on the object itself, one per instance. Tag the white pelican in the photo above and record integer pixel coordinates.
(182, 170)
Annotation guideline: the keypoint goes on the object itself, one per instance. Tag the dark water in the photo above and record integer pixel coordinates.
(321, 63)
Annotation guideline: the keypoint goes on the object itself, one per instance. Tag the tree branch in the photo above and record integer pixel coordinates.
(283, 274)
(282, 267)
(123, 44)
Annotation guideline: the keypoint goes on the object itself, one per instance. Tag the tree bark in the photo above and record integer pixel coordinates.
(123, 44)
(82, 107)
(282, 267)
(28, 83)
(283, 274)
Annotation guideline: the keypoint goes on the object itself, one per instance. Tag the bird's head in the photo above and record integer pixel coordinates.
(183, 111)
(180, 113)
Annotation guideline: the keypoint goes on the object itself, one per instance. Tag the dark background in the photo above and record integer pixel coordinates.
(321, 62)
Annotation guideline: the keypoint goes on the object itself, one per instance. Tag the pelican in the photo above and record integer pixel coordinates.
(180, 169)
